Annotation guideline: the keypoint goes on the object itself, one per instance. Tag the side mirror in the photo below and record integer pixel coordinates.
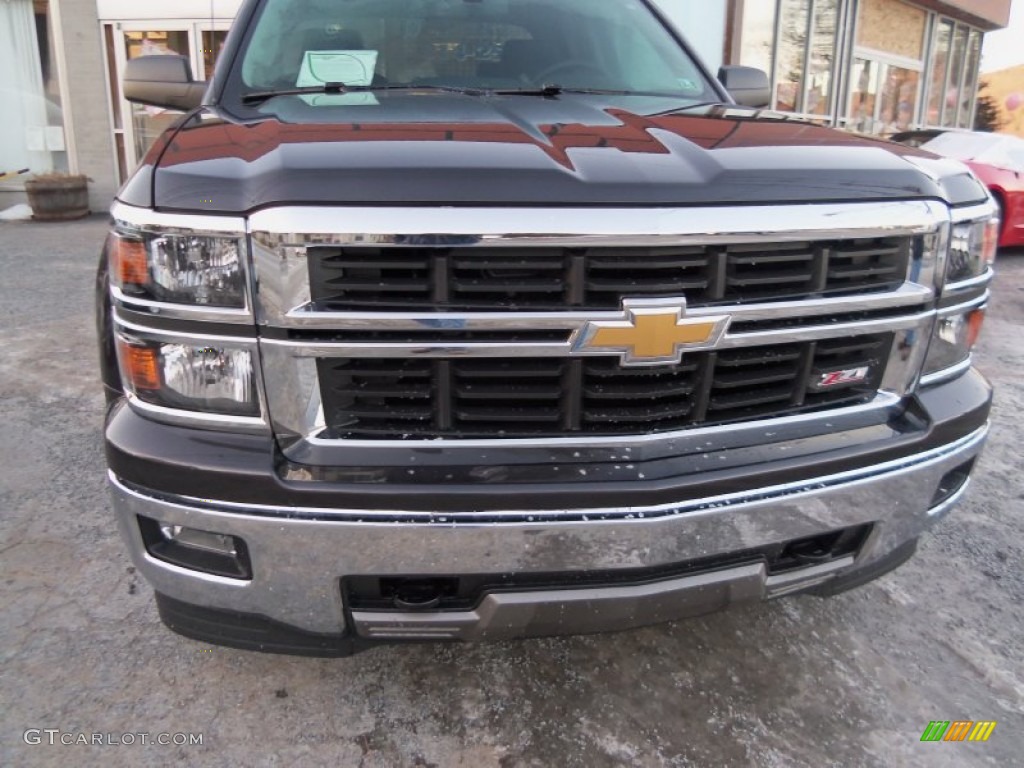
(162, 81)
(748, 86)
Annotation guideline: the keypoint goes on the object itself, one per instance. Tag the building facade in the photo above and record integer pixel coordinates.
(873, 66)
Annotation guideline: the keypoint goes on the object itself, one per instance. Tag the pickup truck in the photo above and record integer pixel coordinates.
(471, 319)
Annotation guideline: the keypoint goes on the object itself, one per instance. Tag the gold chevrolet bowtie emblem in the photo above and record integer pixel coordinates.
(652, 332)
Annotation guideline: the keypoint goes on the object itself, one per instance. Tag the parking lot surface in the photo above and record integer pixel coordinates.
(850, 681)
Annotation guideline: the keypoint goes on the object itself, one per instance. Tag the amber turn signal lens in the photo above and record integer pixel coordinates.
(131, 265)
(140, 365)
(990, 241)
(974, 322)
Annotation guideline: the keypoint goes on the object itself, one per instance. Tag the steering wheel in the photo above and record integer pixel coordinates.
(579, 65)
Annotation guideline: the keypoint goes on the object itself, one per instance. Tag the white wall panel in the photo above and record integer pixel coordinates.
(112, 10)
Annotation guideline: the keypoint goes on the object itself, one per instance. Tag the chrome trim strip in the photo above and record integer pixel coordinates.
(163, 309)
(639, 515)
(280, 237)
(946, 374)
(515, 227)
(953, 289)
(153, 221)
(975, 212)
(440, 348)
(882, 402)
(907, 295)
(979, 302)
(216, 421)
(175, 337)
(781, 584)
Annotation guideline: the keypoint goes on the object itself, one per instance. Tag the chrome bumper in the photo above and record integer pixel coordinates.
(299, 556)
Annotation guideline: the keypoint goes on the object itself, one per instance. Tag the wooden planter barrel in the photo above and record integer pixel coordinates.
(59, 198)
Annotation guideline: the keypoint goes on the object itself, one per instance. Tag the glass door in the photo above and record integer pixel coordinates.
(883, 96)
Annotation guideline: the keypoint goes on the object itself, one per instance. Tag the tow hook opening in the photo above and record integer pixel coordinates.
(418, 594)
(817, 550)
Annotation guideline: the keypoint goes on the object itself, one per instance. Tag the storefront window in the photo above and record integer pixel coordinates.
(863, 95)
(970, 80)
(818, 88)
(792, 50)
(32, 129)
(953, 77)
(757, 37)
(937, 80)
(874, 66)
(898, 99)
(890, 46)
(956, 66)
(795, 42)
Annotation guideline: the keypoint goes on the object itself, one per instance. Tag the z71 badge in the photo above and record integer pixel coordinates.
(833, 379)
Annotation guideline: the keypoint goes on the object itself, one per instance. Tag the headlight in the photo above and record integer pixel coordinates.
(952, 340)
(204, 379)
(972, 249)
(201, 270)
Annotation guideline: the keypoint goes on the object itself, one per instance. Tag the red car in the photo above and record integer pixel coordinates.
(998, 160)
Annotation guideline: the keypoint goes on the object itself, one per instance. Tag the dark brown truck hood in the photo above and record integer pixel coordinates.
(573, 150)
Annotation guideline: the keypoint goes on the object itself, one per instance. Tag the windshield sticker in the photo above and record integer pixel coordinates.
(340, 99)
(348, 67)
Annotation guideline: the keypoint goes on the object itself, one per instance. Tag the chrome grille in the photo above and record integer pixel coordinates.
(401, 398)
(435, 324)
(415, 276)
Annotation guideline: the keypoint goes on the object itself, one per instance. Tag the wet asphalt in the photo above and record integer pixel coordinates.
(849, 681)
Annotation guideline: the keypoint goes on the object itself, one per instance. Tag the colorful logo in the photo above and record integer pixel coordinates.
(840, 378)
(958, 730)
(650, 332)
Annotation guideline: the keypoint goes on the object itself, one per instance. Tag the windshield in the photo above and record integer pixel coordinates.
(473, 44)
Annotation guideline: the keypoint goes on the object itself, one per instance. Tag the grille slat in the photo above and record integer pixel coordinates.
(474, 392)
(749, 399)
(509, 397)
(374, 286)
(649, 287)
(504, 416)
(483, 278)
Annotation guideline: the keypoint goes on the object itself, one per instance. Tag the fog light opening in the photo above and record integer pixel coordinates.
(214, 553)
(951, 483)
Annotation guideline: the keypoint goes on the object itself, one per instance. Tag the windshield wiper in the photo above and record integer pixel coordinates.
(555, 90)
(340, 88)
(691, 107)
